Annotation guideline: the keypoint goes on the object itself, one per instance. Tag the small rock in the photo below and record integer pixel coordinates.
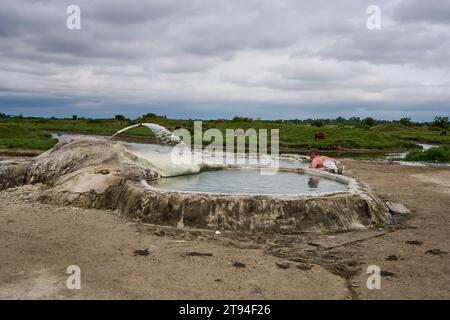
(283, 265)
(398, 208)
(218, 232)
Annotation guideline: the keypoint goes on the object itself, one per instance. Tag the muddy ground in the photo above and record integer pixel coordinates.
(127, 259)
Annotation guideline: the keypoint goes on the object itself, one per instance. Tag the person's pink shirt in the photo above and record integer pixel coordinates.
(318, 162)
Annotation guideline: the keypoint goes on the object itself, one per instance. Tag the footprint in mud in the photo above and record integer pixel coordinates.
(256, 290)
(159, 233)
(414, 242)
(392, 257)
(304, 266)
(342, 270)
(385, 273)
(140, 252)
(239, 265)
(436, 252)
(196, 254)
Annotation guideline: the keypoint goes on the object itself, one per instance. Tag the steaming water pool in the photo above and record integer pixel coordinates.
(249, 181)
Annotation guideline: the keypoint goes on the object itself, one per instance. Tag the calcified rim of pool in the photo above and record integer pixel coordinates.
(352, 209)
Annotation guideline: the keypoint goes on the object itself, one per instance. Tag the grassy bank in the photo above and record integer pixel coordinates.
(414, 133)
(436, 154)
(27, 133)
(16, 136)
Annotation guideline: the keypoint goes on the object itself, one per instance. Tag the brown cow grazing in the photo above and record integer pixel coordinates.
(443, 133)
(319, 136)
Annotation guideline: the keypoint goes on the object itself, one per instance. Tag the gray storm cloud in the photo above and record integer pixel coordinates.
(224, 57)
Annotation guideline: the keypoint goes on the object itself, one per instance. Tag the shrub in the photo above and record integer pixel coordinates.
(435, 154)
(242, 119)
(369, 122)
(441, 122)
(405, 122)
(120, 117)
(317, 123)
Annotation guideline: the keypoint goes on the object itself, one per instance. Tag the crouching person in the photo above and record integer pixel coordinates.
(328, 164)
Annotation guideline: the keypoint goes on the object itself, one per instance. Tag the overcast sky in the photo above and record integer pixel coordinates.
(220, 58)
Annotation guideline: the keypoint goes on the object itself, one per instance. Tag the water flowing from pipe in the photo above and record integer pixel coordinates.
(168, 162)
(163, 135)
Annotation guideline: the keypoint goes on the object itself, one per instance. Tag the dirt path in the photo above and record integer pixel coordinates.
(38, 242)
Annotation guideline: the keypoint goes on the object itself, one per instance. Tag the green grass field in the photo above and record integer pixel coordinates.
(30, 133)
(421, 134)
(17, 136)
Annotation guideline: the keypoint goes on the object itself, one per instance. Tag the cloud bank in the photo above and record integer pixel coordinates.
(220, 58)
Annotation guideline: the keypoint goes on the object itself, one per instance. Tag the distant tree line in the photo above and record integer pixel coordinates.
(438, 122)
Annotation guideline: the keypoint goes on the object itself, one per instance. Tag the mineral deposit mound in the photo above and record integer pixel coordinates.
(96, 173)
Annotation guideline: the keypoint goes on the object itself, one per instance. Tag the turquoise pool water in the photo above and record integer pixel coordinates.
(249, 181)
